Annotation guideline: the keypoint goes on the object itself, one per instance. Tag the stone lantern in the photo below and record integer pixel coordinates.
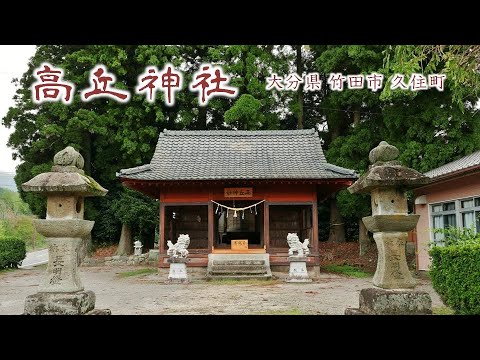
(66, 186)
(387, 181)
(137, 247)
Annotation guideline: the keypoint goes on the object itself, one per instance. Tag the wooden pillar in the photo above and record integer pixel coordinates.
(315, 225)
(161, 245)
(266, 225)
(211, 226)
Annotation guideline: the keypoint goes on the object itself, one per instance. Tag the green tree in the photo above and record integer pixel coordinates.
(136, 212)
(345, 111)
(110, 135)
(427, 127)
(250, 65)
(460, 63)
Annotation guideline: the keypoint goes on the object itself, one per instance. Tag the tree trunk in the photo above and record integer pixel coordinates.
(172, 116)
(85, 247)
(363, 238)
(338, 125)
(125, 246)
(337, 227)
(300, 89)
(87, 152)
(356, 115)
(202, 118)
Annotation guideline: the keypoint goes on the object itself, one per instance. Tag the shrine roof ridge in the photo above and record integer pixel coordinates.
(237, 132)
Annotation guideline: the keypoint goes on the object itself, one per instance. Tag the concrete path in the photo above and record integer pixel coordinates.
(35, 258)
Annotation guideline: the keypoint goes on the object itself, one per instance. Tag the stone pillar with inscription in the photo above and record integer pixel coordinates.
(65, 187)
(387, 182)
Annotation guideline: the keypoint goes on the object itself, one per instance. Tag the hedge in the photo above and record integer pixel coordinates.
(455, 274)
(12, 252)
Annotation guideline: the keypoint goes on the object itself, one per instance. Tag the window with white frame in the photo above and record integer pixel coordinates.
(443, 216)
(462, 213)
(470, 212)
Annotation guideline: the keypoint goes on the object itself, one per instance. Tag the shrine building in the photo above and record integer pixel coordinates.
(238, 192)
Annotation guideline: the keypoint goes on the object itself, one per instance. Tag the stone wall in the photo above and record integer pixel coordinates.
(150, 258)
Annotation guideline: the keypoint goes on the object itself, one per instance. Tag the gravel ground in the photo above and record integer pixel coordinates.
(148, 294)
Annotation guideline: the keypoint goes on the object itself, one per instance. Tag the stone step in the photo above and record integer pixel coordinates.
(239, 267)
(240, 277)
(236, 272)
(238, 262)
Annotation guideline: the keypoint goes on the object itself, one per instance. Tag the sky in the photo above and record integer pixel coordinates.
(13, 63)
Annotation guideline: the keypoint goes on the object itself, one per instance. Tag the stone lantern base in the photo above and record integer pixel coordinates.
(47, 303)
(375, 301)
(298, 270)
(178, 270)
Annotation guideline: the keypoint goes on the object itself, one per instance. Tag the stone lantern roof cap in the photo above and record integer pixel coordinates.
(67, 176)
(387, 172)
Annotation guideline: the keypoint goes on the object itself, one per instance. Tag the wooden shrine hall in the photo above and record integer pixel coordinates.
(238, 192)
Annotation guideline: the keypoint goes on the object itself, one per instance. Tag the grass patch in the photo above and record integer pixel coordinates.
(145, 271)
(442, 310)
(40, 243)
(293, 311)
(21, 227)
(347, 270)
(2, 271)
(243, 282)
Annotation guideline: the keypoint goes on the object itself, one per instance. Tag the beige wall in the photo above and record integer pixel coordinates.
(457, 188)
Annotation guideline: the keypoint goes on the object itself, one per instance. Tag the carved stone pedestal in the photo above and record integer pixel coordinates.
(298, 270)
(374, 301)
(392, 269)
(178, 270)
(64, 238)
(47, 303)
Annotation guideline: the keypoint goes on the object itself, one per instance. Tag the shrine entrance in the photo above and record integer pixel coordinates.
(239, 227)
